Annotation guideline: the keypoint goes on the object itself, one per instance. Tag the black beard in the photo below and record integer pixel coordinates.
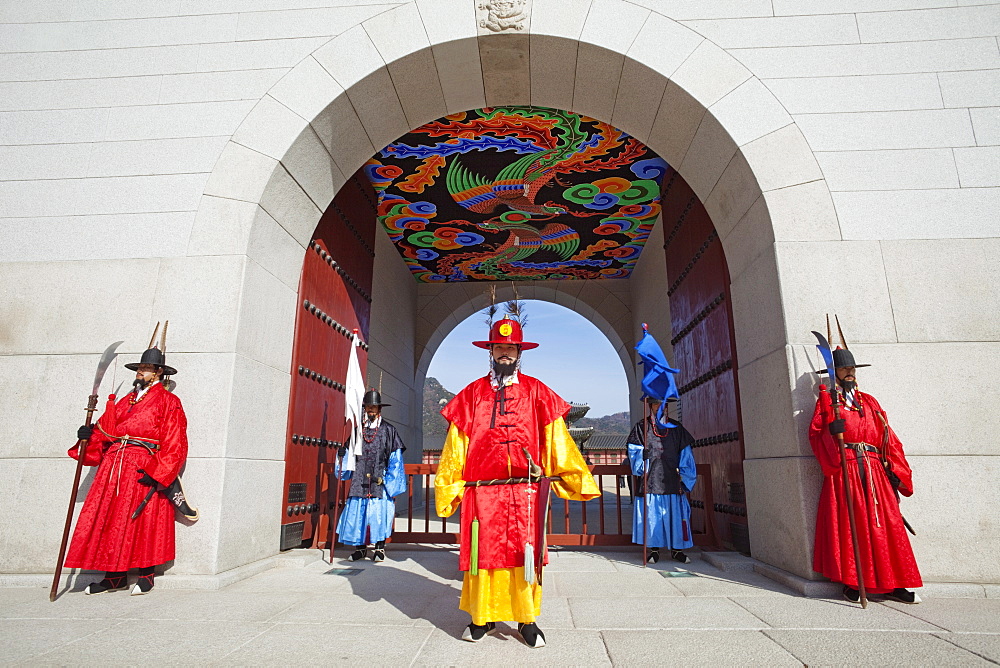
(847, 385)
(503, 370)
(139, 385)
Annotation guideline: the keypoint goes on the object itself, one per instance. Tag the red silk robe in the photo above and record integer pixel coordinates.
(106, 537)
(886, 556)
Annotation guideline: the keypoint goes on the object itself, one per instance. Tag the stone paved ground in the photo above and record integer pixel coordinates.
(600, 608)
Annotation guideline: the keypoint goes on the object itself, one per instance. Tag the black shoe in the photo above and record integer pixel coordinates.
(378, 555)
(677, 555)
(852, 595)
(475, 632)
(111, 582)
(359, 554)
(654, 555)
(533, 636)
(903, 596)
(143, 585)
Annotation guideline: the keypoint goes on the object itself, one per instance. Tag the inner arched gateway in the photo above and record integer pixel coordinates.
(529, 198)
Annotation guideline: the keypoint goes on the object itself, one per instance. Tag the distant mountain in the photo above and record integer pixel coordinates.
(616, 423)
(435, 426)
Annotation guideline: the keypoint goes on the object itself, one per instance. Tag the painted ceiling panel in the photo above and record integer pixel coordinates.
(517, 193)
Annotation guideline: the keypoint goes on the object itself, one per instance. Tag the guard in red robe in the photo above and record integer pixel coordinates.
(139, 445)
(878, 474)
(506, 444)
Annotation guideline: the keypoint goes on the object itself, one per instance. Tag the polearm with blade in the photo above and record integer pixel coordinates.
(827, 353)
(106, 359)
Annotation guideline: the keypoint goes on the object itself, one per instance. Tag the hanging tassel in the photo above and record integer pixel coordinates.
(474, 550)
(684, 530)
(529, 563)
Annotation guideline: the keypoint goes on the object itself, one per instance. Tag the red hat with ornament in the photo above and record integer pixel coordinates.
(506, 330)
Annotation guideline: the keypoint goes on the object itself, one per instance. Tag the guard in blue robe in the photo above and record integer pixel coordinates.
(374, 465)
(672, 475)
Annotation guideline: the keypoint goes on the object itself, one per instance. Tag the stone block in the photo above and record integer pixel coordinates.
(99, 63)
(307, 89)
(447, 20)
(257, 54)
(34, 639)
(257, 421)
(266, 319)
(311, 165)
(640, 613)
(415, 78)
(867, 312)
(778, 31)
(250, 520)
(803, 213)
(801, 7)
(919, 214)
(240, 174)
(886, 92)
(200, 298)
(342, 132)
(732, 196)
(978, 167)
(683, 10)
(709, 74)
(613, 25)
(960, 431)
(204, 384)
(222, 226)
(290, 206)
(781, 158)
(858, 59)
(203, 119)
(986, 124)
(44, 161)
(710, 153)
(100, 237)
(78, 93)
(782, 496)
(460, 74)
(274, 249)
(398, 32)
(377, 105)
(36, 301)
(750, 112)
(887, 130)
(155, 156)
(553, 71)
(52, 127)
(117, 34)
(757, 310)
(216, 86)
(773, 428)
(900, 169)
(839, 647)
(944, 290)
(638, 99)
(365, 58)
(970, 89)
(752, 236)
(923, 24)
(716, 647)
(506, 72)
(309, 22)
(270, 128)
(663, 44)
(677, 120)
(598, 72)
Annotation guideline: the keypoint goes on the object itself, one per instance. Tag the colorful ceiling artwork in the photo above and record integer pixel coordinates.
(517, 193)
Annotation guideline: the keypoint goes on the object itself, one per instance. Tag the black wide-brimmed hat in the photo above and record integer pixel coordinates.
(373, 398)
(843, 357)
(155, 357)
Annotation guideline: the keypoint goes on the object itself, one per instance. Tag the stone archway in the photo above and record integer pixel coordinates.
(680, 94)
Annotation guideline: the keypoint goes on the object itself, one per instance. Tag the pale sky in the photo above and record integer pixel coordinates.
(573, 357)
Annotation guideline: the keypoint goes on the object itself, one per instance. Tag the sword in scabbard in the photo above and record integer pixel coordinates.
(106, 359)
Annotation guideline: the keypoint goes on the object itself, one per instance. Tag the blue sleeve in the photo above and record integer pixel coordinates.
(688, 471)
(635, 458)
(395, 475)
(340, 473)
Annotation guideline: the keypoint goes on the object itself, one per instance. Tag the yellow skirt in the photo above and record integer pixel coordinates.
(500, 595)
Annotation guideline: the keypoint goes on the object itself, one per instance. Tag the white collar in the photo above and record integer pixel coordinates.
(140, 395)
(508, 380)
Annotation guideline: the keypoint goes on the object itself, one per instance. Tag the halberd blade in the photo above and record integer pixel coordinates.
(106, 359)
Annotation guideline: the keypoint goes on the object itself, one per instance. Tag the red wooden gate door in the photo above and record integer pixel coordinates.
(334, 301)
(704, 350)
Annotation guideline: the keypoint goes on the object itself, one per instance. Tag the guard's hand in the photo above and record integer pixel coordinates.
(146, 479)
(837, 426)
(84, 432)
(893, 479)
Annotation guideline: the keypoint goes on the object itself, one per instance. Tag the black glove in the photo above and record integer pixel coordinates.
(837, 426)
(893, 479)
(84, 432)
(146, 479)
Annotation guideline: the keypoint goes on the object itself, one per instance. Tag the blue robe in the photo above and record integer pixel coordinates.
(370, 510)
(668, 513)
